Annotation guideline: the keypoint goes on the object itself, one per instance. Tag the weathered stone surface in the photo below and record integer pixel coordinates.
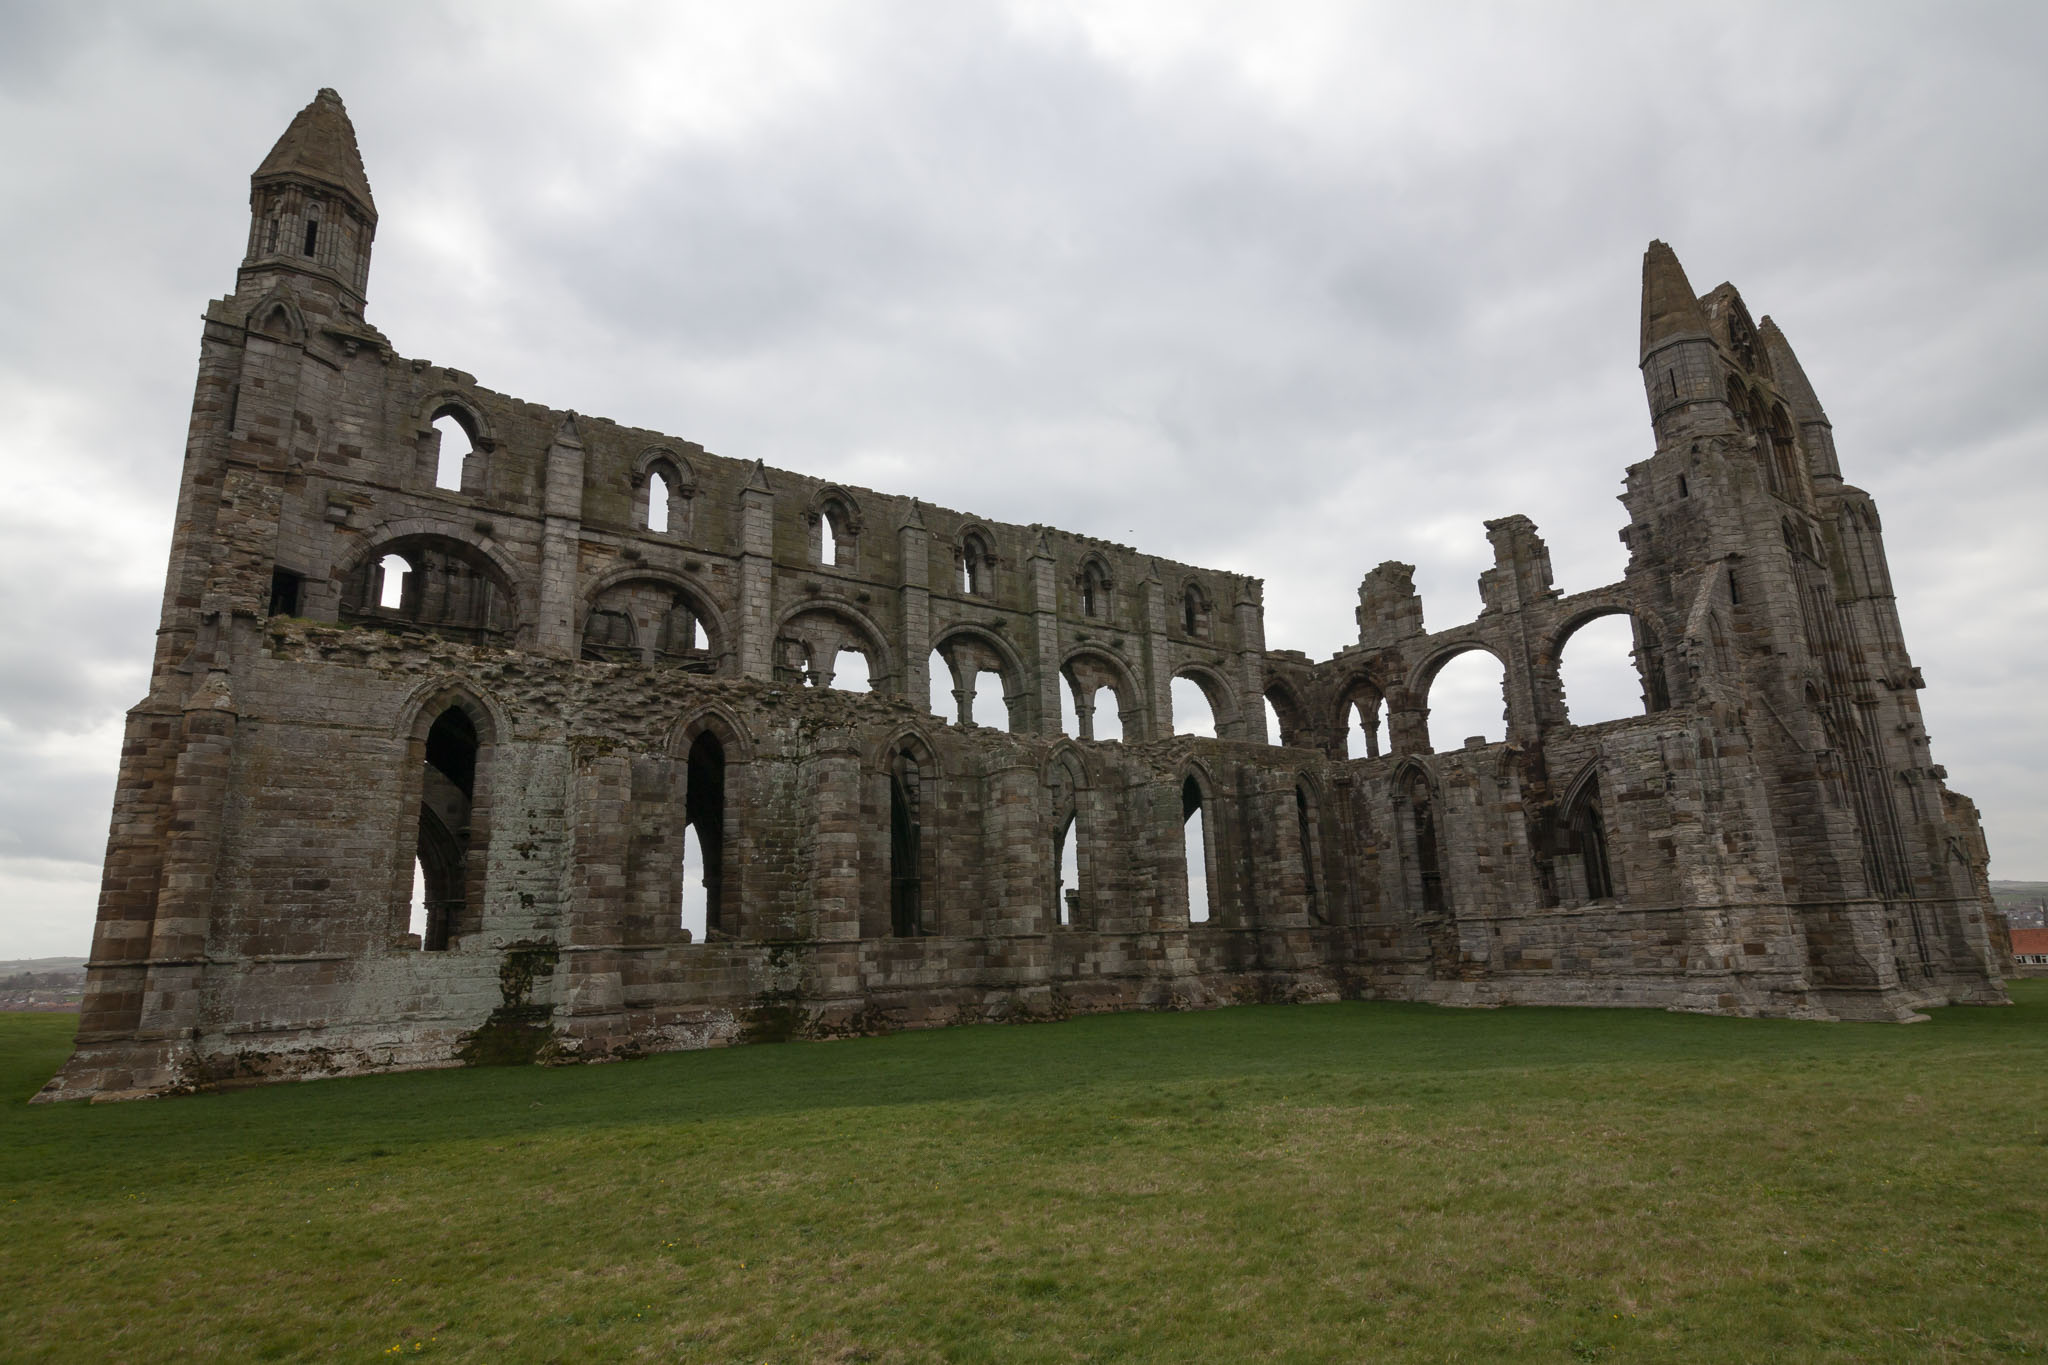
(561, 690)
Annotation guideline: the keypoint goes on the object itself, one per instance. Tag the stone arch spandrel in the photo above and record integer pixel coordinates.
(428, 699)
(1362, 688)
(277, 317)
(1066, 757)
(824, 626)
(714, 718)
(976, 645)
(724, 650)
(1090, 667)
(1292, 710)
(418, 537)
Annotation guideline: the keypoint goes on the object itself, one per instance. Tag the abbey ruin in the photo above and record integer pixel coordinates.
(586, 676)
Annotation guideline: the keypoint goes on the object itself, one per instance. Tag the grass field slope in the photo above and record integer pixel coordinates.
(1309, 1183)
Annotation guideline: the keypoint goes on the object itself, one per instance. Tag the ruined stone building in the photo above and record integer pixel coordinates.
(587, 675)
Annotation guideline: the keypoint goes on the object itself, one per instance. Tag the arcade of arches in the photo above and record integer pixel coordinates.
(479, 727)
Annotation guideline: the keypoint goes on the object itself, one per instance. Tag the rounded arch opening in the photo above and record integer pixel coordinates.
(1193, 712)
(1596, 670)
(1466, 694)
(448, 586)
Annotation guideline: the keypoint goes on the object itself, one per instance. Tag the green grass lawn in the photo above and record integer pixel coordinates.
(1309, 1183)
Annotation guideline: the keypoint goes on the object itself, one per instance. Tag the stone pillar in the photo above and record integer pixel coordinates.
(185, 896)
(1045, 631)
(1018, 861)
(1519, 580)
(1250, 620)
(832, 774)
(1407, 729)
(1157, 683)
(562, 533)
(756, 623)
(602, 832)
(913, 544)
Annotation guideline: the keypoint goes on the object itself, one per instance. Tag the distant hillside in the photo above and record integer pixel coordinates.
(9, 966)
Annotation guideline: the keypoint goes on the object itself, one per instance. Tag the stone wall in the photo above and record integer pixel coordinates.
(521, 690)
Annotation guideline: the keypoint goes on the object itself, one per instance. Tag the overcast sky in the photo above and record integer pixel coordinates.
(1281, 289)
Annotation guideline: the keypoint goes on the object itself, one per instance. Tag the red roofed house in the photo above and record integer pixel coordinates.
(2030, 951)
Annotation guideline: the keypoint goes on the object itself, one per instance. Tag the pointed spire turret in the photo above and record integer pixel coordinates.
(1792, 381)
(1670, 309)
(311, 215)
(320, 145)
(1680, 358)
(1816, 433)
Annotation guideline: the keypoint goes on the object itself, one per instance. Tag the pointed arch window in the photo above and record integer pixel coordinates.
(836, 544)
(1095, 589)
(1586, 831)
(448, 861)
(664, 491)
(1194, 612)
(977, 566)
(1066, 862)
(906, 863)
(1195, 848)
(704, 818)
(1423, 852)
(1305, 829)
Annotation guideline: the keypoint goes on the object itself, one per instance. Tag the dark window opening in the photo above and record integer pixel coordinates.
(1683, 490)
(447, 795)
(1423, 847)
(234, 405)
(285, 587)
(1734, 590)
(906, 881)
(975, 563)
(312, 235)
(1590, 835)
(1094, 589)
(704, 815)
(1308, 853)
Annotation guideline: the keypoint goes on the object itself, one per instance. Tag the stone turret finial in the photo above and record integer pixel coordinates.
(757, 482)
(568, 433)
(1792, 380)
(320, 145)
(913, 520)
(1042, 547)
(1670, 308)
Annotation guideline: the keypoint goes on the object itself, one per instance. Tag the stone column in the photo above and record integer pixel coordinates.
(756, 622)
(832, 773)
(1045, 631)
(562, 533)
(1018, 861)
(913, 544)
(185, 896)
(1158, 680)
(1249, 612)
